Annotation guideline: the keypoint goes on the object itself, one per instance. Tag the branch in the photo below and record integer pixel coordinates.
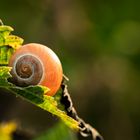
(85, 129)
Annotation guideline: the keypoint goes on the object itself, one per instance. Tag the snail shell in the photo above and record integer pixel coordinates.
(36, 64)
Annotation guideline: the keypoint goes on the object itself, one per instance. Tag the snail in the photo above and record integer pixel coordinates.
(36, 64)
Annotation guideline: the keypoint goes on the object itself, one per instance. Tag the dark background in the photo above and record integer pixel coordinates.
(98, 43)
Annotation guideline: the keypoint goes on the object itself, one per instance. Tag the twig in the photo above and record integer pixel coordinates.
(85, 129)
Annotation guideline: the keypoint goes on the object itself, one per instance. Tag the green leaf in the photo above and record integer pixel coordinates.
(4, 75)
(5, 72)
(14, 41)
(5, 30)
(36, 95)
(5, 54)
(8, 44)
(59, 132)
(9, 40)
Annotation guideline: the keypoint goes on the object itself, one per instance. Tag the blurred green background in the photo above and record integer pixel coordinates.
(98, 43)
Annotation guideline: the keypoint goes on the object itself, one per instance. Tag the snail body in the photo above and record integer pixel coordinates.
(36, 64)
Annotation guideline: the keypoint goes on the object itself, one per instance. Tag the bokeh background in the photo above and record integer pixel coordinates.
(98, 43)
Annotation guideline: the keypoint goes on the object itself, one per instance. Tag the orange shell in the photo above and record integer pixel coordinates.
(53, 73)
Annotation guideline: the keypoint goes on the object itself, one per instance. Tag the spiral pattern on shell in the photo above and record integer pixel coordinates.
(36, 64)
